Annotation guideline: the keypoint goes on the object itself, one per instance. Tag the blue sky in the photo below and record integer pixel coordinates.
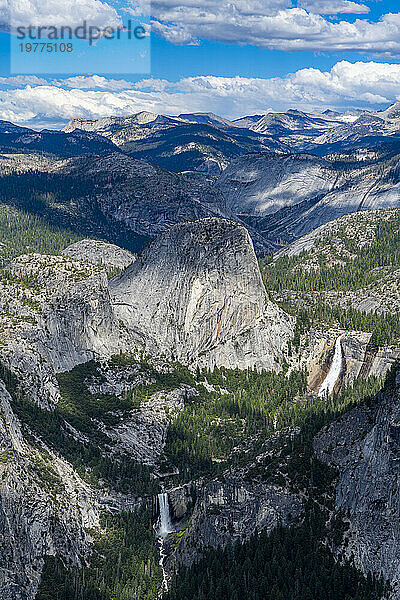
(250, 55)
(228, 60)
(173, 61)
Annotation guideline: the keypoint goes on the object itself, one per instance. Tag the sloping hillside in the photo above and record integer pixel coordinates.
(285, 197)
(346, 273)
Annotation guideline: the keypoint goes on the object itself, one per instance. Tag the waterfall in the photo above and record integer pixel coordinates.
(164, 527)
(330, 380)
(165, 524)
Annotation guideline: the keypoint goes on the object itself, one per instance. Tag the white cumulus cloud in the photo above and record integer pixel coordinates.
(274, 24)
(346, 85)
(19, 80)
(282, 29)
(334, 7)
(93, 82)
(58, 13)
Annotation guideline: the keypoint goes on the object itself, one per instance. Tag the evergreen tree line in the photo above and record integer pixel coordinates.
(297, 562)
(68, 202)
(288, 564)
(79, 409)
(356, 268)
(249, 406)
(385, 327)
(22, 233)
(242, 404)
(123, 564)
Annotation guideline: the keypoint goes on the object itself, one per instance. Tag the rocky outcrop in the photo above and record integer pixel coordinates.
(207, 306)
(143, 435)
(364, 360)
(356, 356)
(56, 313)
(79, 324)
(196, 294)
(230, 510)
(360, 359)
(181, 500)
(45, 508)
(365, 445)
(100, 253)
(109, 123)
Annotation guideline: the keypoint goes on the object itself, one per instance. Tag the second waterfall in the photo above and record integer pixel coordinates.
(330, 380)
(163, 529)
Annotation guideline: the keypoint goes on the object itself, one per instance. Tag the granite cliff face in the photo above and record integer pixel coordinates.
(227, 511)
(207, 306)
(196, 294)
(364, 447)
(79, 324)
(288, 196)
(45, 508)
(56, 314)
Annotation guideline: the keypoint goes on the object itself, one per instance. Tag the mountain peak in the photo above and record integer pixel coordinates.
(393, 112)
(207, 271)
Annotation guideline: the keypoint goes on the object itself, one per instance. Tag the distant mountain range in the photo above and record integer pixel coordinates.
(77, 143)
(192, 415)
(127, 179)
(190, 142)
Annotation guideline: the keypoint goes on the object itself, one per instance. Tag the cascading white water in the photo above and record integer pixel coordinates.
(163, 529)
(330, 380)
(165, 524)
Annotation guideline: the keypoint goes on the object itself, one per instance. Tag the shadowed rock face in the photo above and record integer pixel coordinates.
(285, 197)
(229, 511)
(364, 447)
(197, 294)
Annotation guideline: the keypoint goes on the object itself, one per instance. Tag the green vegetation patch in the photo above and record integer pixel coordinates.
(92, 457)
(361, 252)
(243, 404)
(231, 425)
(79, 406)
(385, 327)
(288, 563)
(6, 457)
(296, 562)
(345, 266)
(123, 564)
(22, 233)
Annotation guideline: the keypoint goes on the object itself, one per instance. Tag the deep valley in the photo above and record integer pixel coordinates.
(199, 358)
